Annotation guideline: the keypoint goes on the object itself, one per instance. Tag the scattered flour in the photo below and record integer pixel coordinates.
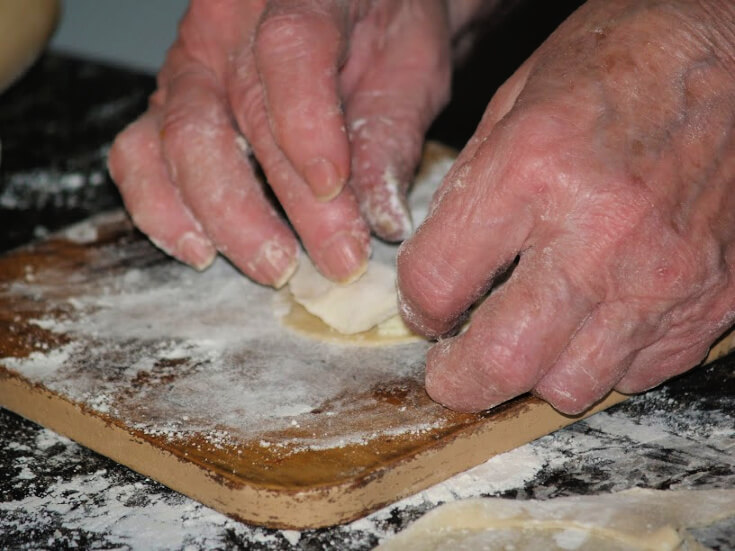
(40, 365)
(83, 232)
(230, 367)
(39, 188)
(134, 515)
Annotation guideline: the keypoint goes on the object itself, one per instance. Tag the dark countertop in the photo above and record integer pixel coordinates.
(55, 129)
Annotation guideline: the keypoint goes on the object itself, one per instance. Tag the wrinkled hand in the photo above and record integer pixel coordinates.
(321, 92)
(607, 165)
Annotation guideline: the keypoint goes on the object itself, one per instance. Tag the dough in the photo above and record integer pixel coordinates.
(297, 318)
(352, 308)
(632, 520)
(364, 312)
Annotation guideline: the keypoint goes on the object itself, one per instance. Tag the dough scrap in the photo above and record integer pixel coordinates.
(635, 519)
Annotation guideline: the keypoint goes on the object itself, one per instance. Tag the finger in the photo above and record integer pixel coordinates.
(333, 233)
(685, 340)
(388, 110)
(297, 51)
(136, 165)
(513, 338)
(475, 232)
(216, 181)
(662, 360)
(596, 359)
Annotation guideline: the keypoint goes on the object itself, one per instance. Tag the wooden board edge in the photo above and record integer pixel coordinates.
(245, 503)
(465, 449)
(486, 440)
(310, 508)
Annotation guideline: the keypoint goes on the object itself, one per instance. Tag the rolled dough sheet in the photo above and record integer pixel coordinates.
(635, 519)
(364, 312)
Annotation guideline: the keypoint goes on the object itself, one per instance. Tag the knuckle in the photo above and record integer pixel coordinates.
(244, 91)
(535, 150)
(180, 132)
(292, 34)
(679, 272)
(424, 286)
(247, 102)
(502, 365)
(125, 149)
(189, 125)
(680, 269)
(564, 401)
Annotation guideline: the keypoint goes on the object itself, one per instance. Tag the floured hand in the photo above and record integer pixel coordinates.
(607, 165)
(323, 93)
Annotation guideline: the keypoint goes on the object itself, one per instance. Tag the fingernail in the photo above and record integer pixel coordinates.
(344, 257)
(274, 264)
(323, 179)
(195, 250)
(391, 222)
(286, 274)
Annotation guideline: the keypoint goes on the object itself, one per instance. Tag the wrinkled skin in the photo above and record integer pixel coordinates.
(323, 92)
(607, 163)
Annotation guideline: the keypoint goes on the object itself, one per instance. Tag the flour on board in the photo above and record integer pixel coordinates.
(178, 353)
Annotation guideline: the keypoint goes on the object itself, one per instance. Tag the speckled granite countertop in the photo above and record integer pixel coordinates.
(55, 129)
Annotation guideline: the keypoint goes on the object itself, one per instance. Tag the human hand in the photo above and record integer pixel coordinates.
(323, 92)
(607, 165)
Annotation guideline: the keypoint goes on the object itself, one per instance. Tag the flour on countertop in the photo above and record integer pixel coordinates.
(40, 188)
(128, 513)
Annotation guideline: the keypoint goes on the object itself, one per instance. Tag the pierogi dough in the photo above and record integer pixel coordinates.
(364, 312)
(352, 308)
(635, 519)
(300, 320)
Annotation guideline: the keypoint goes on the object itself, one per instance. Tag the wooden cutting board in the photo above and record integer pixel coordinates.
(189, 378)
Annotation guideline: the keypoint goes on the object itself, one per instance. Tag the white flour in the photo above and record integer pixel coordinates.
(232, 371)
(95, 503)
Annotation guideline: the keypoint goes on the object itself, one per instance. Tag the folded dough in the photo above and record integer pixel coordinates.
(351, 308)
